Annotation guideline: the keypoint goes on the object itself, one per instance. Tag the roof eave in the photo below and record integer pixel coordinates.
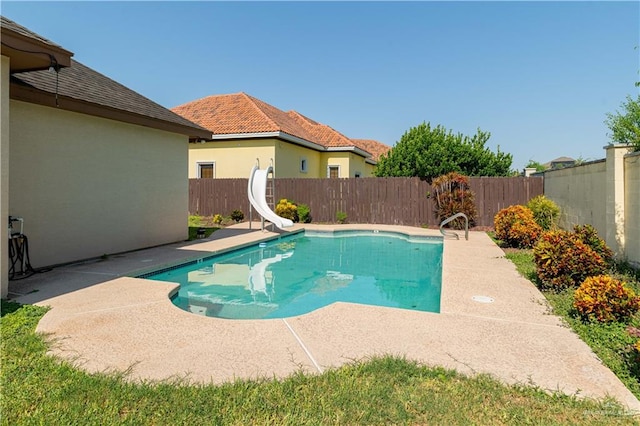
(27, 94)
(355, 149)
(277, 134)
(30, 54)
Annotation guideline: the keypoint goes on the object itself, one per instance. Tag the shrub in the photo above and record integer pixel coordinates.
(304, 213)
(341, 216)
(545, 212)
(563, 260)
(237, 215)
(516, 226)
(287, 209)
(453, 195)
(605, 299)
(217, 219)
(589, 236)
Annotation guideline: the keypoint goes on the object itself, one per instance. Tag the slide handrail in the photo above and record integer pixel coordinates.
(454, 234)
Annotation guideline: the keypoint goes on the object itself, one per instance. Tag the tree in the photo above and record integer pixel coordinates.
(535, 165)
(625, 125)
(429, 152)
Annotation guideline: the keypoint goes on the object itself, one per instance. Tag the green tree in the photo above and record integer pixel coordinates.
(429, 152)
(625, 125)
(535, 165)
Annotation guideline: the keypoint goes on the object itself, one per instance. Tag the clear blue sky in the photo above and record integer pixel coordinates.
(540, 76)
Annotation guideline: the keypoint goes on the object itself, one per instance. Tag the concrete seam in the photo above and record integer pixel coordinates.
(116, 308)
(502, 319)
(302, 345)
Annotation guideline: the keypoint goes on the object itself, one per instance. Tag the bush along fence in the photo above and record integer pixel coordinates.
(393, 200)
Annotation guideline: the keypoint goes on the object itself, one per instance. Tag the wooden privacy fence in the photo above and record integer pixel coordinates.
(393, 200)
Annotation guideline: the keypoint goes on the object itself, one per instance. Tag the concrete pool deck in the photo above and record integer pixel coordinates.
(103, 320)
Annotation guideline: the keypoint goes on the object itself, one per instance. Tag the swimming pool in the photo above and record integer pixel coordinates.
(299, 273)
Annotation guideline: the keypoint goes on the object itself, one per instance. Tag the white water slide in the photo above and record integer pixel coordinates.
(257, 190)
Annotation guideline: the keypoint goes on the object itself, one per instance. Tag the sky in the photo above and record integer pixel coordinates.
(539, 76)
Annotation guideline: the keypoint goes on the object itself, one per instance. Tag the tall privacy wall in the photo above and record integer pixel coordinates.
(396, 201)
(605, 194)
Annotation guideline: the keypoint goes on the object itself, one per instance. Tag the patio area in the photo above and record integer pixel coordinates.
(103, 320)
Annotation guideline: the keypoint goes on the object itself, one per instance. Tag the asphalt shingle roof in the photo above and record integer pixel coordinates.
(83, 83)
(17, 28)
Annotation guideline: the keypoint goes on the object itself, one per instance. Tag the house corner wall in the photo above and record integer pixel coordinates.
(632, 208)
(88, 186)
(4, 175)
(615, 202)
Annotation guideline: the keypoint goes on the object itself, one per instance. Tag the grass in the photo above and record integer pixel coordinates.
(610, 342)
(40, 389)
(201, 222)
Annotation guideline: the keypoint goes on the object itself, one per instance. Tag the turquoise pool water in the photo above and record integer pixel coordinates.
(297, 274)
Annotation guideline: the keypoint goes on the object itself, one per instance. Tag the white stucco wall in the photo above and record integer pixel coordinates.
(581, 194)
(632, 207)
(4, 174)
(88, 186)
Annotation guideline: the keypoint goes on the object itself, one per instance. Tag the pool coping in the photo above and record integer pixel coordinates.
(103, 319)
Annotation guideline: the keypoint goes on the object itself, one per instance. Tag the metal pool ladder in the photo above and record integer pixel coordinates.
(454, 234)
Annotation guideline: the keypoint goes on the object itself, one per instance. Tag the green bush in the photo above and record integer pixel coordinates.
(304, 213)
(453, 195)
(563, 260)
(516, 227)
(605, 299)
(217, 219)
(545, 212)
(194, 220)
(341, 216)
(287, 209)
(237, 215)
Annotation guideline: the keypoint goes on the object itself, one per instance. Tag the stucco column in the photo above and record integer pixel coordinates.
(615, 198)
(4, 176)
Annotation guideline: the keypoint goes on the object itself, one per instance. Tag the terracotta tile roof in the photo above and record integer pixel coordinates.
(372, 146)
(80, 82)
(321, 133)
(240, 113)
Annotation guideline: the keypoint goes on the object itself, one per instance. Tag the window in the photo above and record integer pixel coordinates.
(303, 165)
(206, 170)
(333, 172)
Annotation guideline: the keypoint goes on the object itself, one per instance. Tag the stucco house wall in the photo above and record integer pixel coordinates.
(236, 158)
(87, 186)
(4, 171)
(288, 161)
(233, 159)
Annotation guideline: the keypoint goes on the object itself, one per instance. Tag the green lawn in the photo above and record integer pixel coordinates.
(40, 389)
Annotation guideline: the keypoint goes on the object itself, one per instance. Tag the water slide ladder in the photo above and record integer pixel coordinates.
(269, 199)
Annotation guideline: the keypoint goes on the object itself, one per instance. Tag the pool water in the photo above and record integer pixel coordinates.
(297, 274)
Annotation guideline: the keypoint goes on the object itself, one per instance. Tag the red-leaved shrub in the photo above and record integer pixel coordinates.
(563, 260)
(516, 226)
(605, 299)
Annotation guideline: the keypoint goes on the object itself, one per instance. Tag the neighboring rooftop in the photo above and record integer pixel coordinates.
(559, 163)
(241, 114)
(377, 149)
